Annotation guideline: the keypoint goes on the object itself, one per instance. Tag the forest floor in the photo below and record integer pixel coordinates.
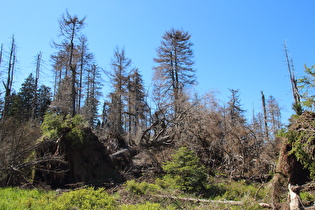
(223, 194)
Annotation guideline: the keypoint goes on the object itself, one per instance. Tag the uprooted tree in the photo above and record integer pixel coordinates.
(296, 160)
(87, 159)
(296, 164)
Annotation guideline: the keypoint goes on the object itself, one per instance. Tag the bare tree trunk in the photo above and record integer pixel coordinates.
(72, 66)
(1, 52)
(295, 90)
(10, 74)
(82, 62)
(130, 111)
(265, 115)
(38, 66)
(73, 74)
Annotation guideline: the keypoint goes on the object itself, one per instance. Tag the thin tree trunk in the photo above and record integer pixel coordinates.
(38, 66)
(10, 74)
(73, 72)
(1, 52)
(295, 90)
(81, 75)
(265, 115)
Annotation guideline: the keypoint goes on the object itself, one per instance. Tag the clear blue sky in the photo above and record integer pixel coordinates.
(238, 44)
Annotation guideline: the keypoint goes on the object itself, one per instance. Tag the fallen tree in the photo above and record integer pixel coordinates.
(295, 166)
(198, 200)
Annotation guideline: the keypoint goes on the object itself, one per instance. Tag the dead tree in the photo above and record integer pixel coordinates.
(295, 91)
(38, 67)
(70, 27)
(1, 53)
(10, 74)
(265, 115)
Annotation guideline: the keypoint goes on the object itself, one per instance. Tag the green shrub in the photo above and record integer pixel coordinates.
(15, 198)
(307, 197)
(238, 190)
(85, 199)
(215, 190)
(185, 171)
(146, 206)
(250, 203)
(141, 188)
(165, 182)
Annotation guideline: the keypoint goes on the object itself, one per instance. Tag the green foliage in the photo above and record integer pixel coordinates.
(297, 107)
(14, 198)
(307, 197)
(76, 124)
(89, 198)
(301, 138)
(43, 100)
(215, 190)
(141, 188)
(165, 183)
(55, 125)
(250, 203)
(22, 103)
(30, 102)
(85, 199)
(146, 206)
(184, 172)
(302, 143)
(238, 190)
(52, 125)
(306, 86)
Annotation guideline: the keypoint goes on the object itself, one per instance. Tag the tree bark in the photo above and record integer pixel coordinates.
(10, 74)
(265, 115)
(295, 203)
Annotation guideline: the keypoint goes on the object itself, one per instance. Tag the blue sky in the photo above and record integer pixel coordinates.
(238, 44)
